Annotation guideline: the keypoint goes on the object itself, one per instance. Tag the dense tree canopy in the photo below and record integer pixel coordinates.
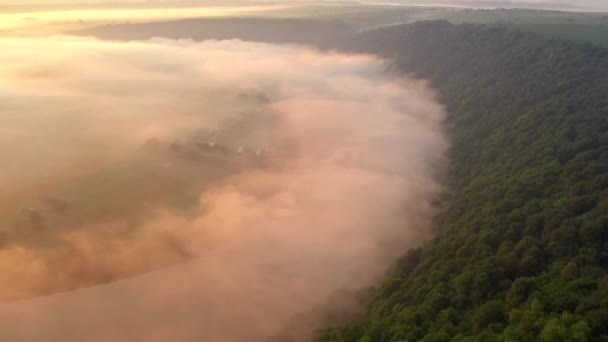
(522, 252)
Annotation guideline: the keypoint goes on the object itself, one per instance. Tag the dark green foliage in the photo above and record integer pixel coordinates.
(492, 312)
(523, 250)
(570, 271)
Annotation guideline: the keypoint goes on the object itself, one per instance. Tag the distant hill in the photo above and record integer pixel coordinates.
(303, 31)
(572, 26)
(320, 26)
(522, 252)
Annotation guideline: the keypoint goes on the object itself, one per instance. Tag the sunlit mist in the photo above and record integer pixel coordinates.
(261, 171)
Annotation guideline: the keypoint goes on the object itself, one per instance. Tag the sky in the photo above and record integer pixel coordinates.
(596, 5)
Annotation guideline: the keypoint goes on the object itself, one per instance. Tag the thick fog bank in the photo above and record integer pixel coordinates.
(327, 173)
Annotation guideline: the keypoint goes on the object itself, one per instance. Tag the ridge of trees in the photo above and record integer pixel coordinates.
(522, 253)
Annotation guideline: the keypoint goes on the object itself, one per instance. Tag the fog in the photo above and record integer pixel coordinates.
(328, 172)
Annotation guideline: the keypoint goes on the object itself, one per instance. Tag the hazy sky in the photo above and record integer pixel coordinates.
(591, 4)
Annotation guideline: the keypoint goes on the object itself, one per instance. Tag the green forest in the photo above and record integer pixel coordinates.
(521, 252)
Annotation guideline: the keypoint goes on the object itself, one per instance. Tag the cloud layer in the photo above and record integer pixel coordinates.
(351, 166)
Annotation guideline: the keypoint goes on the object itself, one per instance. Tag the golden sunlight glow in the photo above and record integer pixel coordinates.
(52, 22)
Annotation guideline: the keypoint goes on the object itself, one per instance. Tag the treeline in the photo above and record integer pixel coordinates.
(318, 32)
(522, 254)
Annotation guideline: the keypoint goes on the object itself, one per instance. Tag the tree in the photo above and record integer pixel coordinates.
(570, 271)
(489, 313)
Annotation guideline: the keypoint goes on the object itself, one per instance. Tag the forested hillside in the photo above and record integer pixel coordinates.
(522, 252)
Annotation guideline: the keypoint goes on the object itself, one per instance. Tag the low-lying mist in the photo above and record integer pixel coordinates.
(255, 181)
